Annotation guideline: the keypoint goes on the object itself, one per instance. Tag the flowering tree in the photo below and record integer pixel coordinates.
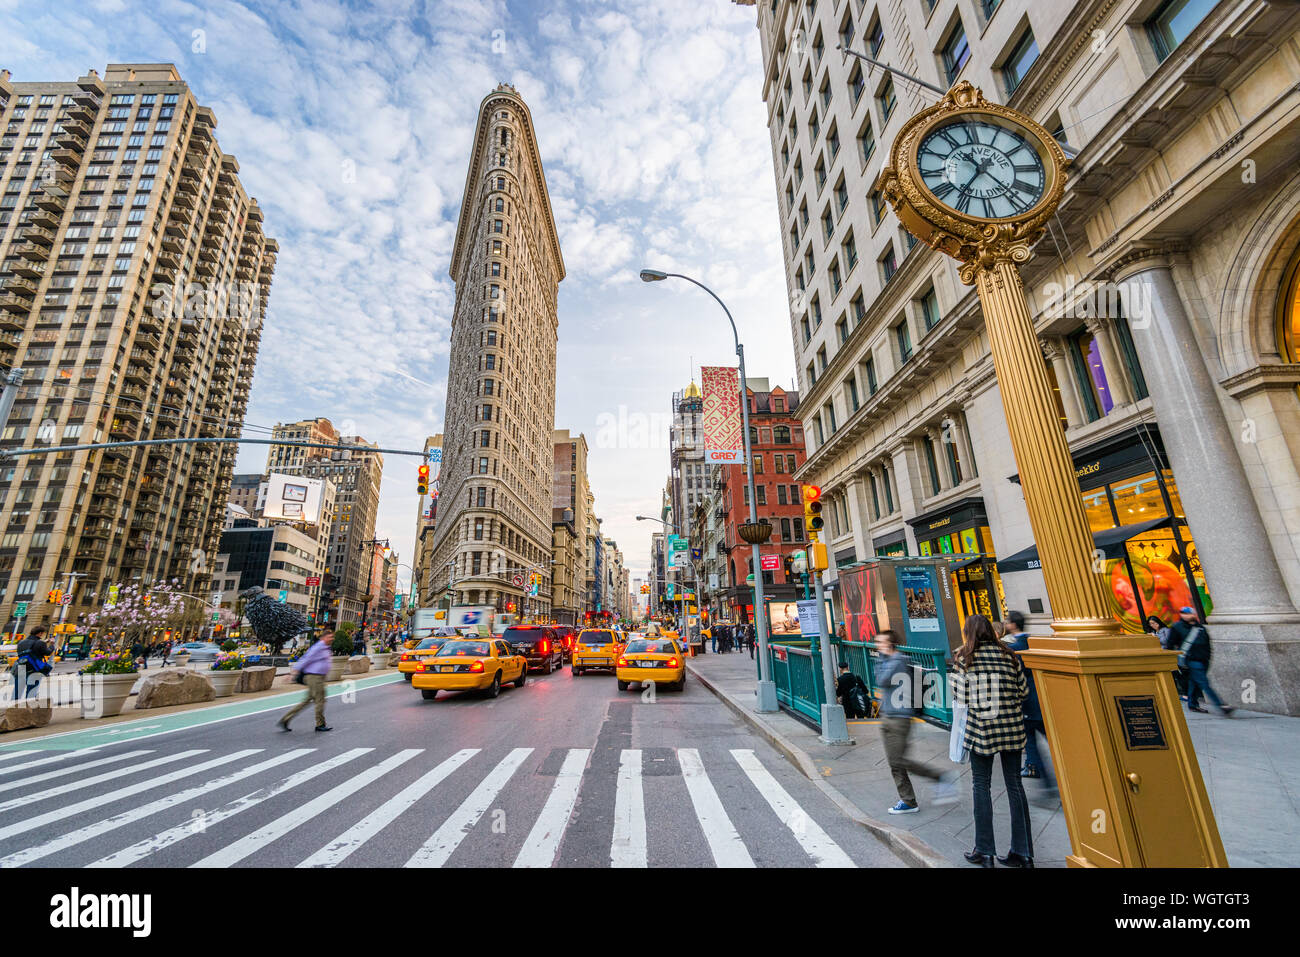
(142, 610)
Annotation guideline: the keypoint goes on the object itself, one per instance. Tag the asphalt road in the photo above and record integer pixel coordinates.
(564, 772)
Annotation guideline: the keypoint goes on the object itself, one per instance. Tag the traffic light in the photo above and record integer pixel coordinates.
(422, 483)
(812, 510)
(55, 596)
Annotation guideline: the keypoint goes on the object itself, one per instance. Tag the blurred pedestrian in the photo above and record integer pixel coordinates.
(990, 682)
(1018, 640)
(750, 639)
(853, 693)
(897, 709)
(311, 668)
(1194, 654)
(140, 652)
(1164, 634)
(32, 664)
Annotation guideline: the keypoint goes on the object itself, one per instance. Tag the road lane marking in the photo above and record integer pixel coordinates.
(727, 847)
(246, 845)
(30, 800)
(824, 851)
(97, 803)
(64, 772)
(447, 838)
(543, 841)
(151, 845)
(61, 756)
(98, 828)
(332, 854)
(140, 728)
(629, 845)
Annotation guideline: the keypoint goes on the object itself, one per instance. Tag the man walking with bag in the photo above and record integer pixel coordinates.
(32, 664)
(311, 668)
(897, 709)
(1193, 642)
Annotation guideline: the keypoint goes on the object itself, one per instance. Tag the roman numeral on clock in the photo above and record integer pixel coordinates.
(943, 189)
(963, 202)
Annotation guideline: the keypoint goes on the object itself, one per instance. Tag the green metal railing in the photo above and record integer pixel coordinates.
(796, 671)
(935, 695)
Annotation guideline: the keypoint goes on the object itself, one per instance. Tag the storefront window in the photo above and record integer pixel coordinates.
(1139, 500)
(1175, 500)
(1288, 326)
(1096, 505)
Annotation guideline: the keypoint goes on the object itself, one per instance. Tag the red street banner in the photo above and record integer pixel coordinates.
(313, 582)
(770, 563)
(723, 441)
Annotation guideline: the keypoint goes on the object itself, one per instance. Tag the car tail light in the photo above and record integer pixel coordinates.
(622, 662)
(406, 657)
(544, 647)
(476, 667)
(672, 663)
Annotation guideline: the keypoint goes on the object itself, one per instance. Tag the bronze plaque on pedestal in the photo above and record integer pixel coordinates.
(1141, 722)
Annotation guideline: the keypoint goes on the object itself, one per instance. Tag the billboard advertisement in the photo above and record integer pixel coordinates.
(293, 499)
(723, 441)
(783, 619)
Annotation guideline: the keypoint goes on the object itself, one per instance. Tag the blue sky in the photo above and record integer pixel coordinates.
(352, 124)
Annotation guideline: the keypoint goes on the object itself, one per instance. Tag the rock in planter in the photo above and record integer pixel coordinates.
(28, 713)
(255, 678)
(357, 666)
(164, 688)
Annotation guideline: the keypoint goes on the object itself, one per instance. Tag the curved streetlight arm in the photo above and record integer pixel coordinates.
(734, 334)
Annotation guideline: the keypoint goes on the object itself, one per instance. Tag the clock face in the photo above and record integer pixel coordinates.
(982, 168)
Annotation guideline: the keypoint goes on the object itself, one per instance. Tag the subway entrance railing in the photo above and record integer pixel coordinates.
(796, 671)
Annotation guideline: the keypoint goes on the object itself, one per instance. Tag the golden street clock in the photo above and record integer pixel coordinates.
(966, 173)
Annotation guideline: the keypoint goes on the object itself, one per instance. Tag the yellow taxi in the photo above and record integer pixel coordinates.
(660, 660)
(596, 648)
(406, 664)
(470, 664)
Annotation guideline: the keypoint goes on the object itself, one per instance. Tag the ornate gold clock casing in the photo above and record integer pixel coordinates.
(979, 181)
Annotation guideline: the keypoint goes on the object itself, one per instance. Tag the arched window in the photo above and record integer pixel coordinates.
(1288, 313)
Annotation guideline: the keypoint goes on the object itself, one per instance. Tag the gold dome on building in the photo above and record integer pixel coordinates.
(693, 391)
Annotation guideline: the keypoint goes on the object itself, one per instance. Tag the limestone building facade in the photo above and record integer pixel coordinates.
(1165, 296)
(494, 512)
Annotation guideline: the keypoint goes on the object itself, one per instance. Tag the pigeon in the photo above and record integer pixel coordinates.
(274, 622)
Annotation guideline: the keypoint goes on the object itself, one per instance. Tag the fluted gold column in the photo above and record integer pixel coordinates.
(1075, 584)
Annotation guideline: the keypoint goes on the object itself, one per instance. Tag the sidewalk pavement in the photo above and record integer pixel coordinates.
(1250, 763)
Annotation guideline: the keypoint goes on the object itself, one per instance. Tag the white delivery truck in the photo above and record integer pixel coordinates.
(425, 622)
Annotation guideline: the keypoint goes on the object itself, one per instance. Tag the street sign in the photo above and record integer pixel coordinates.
(770, 563)
(313, 581)
(671, 589)
(518, 581)
(20, 609)
(397, 602)
(216, 616)
(284, 595)
(65, 600)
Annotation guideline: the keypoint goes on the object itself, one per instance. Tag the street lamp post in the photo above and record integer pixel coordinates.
(766, 687)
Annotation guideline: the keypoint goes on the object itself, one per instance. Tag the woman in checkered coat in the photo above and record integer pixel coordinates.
(990, 681)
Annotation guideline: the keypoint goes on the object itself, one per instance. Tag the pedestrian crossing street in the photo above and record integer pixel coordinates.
(305, 807)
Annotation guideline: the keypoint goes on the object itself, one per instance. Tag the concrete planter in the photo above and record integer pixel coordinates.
(223, 682)
(104, 695)
(338, 666)
(379, 660)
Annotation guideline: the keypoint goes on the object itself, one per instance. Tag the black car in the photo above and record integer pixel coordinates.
(542, 645)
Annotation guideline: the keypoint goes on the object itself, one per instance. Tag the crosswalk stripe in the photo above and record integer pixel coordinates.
(157, 842)
(64, 772)
(99, 801)
(246, 845)
(30, 800)
(543, 841)
(48, 757)
(824, 851)
(629, 846)
(94, 830)
(342, 846)
(727, 847)
(446, 839)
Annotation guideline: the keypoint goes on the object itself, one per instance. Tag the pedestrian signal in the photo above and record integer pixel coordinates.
(812, 510)
(422, 482)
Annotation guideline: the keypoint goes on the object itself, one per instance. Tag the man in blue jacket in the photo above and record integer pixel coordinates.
(1018, 640)
(898, 707)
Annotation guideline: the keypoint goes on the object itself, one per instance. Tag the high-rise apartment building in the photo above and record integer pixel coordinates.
(426, 518)
(356, 473)
(291, 458)
(134, 277)
(571, 498)
(1166, 302)
(494, 511)
(689, 473)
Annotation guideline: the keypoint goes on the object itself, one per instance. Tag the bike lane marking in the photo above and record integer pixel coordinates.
(148, 727)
